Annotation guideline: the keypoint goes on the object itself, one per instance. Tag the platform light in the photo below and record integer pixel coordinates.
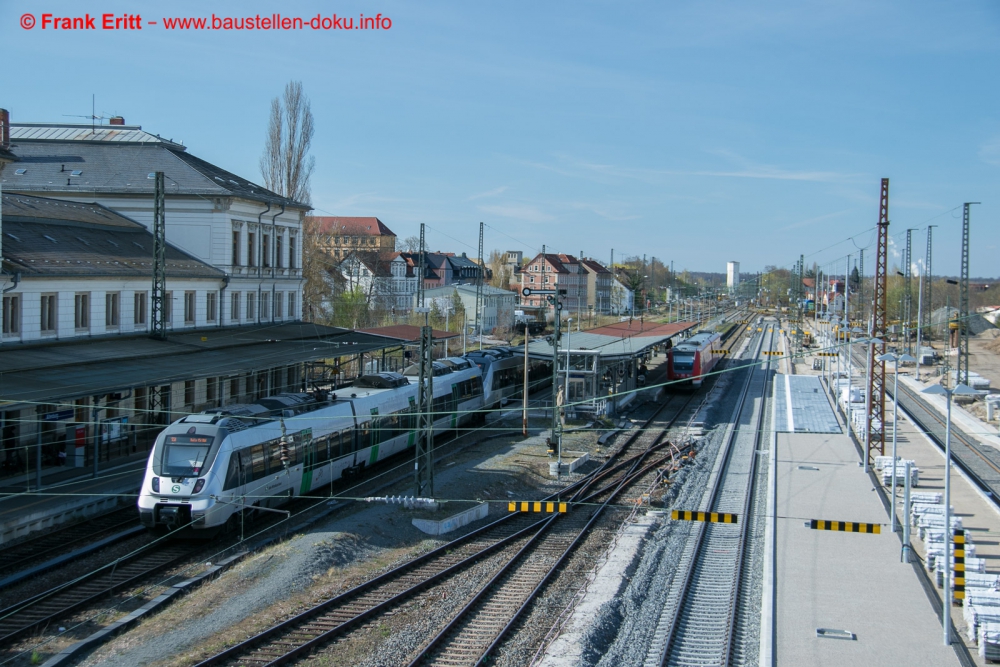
(939, 390)
(895, 423)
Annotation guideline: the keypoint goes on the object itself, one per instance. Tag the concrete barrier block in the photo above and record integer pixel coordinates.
(453, 522)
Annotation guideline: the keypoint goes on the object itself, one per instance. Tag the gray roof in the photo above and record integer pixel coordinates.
(49, 372)
(488, 290)
(84, 132)
(51, 237)
(112, 166)
(607, 346)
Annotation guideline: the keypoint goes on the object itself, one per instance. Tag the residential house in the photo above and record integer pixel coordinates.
(550, 271)
(339, 236)
(599, 281)
(443, 268)
(389, 282)
(622, 297)
(497, 305)
(251, 234)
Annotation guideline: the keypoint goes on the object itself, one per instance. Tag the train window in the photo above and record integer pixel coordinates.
(246, 466)
(348, 441)
(322, 449)
(683, 362)
(233, 474)
(259, 464)
(362, 435)
(274, 457)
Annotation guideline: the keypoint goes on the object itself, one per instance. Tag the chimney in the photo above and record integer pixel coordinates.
(4, 128)
(116, 120)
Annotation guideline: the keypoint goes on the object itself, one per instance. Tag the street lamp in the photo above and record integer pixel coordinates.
(895, 422)
(850, 382)
(961, 390)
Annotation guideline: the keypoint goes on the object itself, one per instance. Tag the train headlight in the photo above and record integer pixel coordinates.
(199, 485)
(156, 485)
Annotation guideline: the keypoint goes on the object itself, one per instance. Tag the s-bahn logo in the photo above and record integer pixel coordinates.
(176, 488)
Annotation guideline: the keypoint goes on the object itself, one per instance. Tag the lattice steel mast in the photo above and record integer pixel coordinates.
(927, 278)
(908, 290)
(479, 289)
(875, 419)
(963, 301)
(423, 466)
(159, 328)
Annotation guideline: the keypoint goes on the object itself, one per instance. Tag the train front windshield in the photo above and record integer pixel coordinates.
(683, 362)
(184, 456)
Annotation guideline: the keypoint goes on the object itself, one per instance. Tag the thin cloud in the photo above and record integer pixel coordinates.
(489, 193)
(990, 151)
(524, 212)
(812, 221)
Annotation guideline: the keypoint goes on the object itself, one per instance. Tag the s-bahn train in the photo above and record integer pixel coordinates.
(503, 374)
(692, 359)
(206, 469)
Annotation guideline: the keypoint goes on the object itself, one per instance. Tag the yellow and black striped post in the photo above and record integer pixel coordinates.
(826, 354)
(720, 351)
(772, 353)
(538, 506)
(959, 592)
(708, 517)
(845, 526)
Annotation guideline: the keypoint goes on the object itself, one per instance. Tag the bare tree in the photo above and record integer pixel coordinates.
(286, 164)
(409, 244)
(502, 271)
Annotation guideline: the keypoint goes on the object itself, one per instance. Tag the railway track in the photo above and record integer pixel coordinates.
(698, 621)
(511, 537)
(39, 549)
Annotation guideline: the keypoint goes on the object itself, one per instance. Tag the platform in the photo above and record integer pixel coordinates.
(66, 496)
(832, 581)
(801, 406)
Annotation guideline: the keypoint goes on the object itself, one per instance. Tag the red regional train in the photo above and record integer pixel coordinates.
(692, 359)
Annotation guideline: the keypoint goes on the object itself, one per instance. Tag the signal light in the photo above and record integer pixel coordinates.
(155, 483)
(199, 485)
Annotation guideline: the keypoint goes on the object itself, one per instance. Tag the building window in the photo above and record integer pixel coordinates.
(234, 388)
(236, 247)
(12, 315)
(189, 301)
(189, 392)
(251, 306)
(278, 305)
(235, 308)
(291, 252)
(48, 320)
(139, 308)
(278, 262)
(291, 304)
(265, 305)
(211, 305)
(251, 254)
(81, 311)
(212, 390)
(112, 301)
(265, 248)
(168, 307)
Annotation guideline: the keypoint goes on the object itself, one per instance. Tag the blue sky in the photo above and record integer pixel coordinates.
(690, 131)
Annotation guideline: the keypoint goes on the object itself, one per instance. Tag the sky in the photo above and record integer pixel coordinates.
(694, 132)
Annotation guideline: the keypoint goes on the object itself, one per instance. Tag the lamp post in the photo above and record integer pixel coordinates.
(850, 383)
(895, 423)
(961, 390)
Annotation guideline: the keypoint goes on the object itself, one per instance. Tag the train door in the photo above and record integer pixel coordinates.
(375, 436)
(307, 452)
(412, 421)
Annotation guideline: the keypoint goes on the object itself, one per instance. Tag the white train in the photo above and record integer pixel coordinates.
(206, 468)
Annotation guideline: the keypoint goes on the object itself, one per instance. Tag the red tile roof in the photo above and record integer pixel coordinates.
(594, 266)
(349, 226)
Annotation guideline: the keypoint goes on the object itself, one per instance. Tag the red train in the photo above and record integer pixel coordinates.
(692, 359)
